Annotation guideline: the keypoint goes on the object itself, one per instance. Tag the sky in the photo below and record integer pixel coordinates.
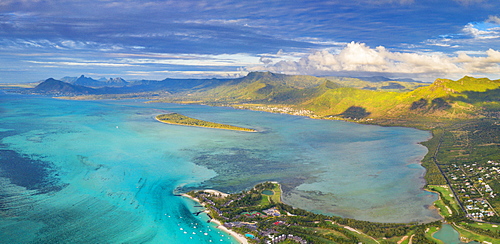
(157, 39)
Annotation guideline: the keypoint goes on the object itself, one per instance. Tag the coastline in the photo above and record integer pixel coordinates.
(240, 238)
(372, 123)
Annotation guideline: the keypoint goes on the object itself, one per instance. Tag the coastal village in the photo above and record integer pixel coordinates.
(473, 184)
(281, 110)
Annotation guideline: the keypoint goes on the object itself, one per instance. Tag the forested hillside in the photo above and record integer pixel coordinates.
(442, 100)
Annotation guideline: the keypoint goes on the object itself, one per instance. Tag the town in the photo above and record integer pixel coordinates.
(472, 185)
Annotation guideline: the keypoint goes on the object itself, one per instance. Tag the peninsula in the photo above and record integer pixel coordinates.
(259, 216)
(179, 119)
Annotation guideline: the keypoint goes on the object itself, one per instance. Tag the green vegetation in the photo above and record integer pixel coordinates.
(466, 152)
(246, 212)
(430, 232)
(463, 163)
(419, 105)
(179, 119)
(467, 155)
(439, 104)
(433, 176)
(381, 85)
(447, 204)
(479, 236)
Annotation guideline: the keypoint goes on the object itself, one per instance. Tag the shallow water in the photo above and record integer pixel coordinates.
(448, 235)
(105, 171)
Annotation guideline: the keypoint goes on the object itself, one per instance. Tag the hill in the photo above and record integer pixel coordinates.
(265, 87)
(57, 87)
(444, 99)
(378, 83)
(118, 86)
(90, 82)
(321, 97)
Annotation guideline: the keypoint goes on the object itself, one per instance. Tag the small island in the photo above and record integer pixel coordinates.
(179, 119)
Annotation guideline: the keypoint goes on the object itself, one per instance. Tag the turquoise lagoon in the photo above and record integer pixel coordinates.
(107, 172)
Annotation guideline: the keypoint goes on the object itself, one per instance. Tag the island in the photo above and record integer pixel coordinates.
(179, 119)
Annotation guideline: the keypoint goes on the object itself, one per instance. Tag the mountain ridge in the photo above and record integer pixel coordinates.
(443, 99)
(57, 87)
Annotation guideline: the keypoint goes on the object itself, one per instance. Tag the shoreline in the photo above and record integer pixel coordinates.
(424, 188)
(374, 123)
(240, 238)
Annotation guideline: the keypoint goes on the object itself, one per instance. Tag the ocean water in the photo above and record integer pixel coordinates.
(107, 172)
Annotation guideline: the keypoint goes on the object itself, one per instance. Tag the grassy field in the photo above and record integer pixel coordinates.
(277, 193)
(474, 236)
(447, 194)
(443, 208)
(486, 226)
(362, 237)
(264, 201)
(275, 198)
(429, 234)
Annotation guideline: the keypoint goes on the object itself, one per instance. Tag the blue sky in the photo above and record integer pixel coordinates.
(422, 39)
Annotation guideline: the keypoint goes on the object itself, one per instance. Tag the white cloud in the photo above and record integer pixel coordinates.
(320, 41)
(220, 60)
(477, 33)
(483, 34)
(494, 19)
(160, 74)
(65, 63)
(468, 2)
(357, 58)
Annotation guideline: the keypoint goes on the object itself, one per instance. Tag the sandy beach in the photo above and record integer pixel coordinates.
(215, 192)
(237, 236)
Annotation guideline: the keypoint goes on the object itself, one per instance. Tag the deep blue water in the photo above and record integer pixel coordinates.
(106, 171)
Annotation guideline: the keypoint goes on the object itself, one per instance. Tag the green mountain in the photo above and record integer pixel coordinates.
(444, 99)
(265, 87)
(465, 98)
(378, 83)
(321, 97)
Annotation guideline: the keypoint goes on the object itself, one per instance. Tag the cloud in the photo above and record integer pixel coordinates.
(469, 2)
(493, 19)
(99, 64)
(481, 35)
(221, 60)
(358, 58)
(482, 31)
